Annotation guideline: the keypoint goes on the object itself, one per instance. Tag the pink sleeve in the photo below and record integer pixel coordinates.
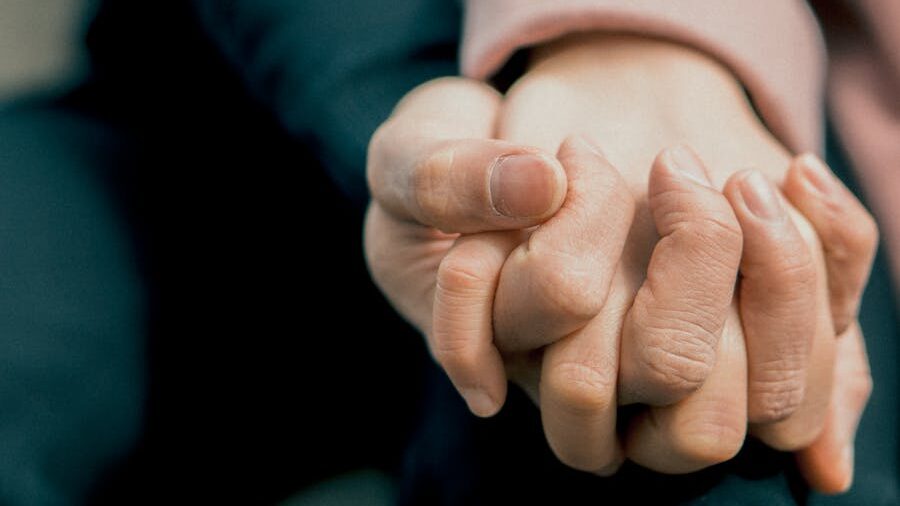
(773, 46)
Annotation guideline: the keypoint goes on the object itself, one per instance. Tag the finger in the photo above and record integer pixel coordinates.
(848, 232)
(461, 338)
(578, 397)
(670, 334)
(434, 162)
(555, 282)
(827, 464)
(403, 258)
(777, 298)
(707, 427)
(804, 425)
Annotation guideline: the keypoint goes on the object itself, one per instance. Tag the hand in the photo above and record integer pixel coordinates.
(422, 242)
(572, 91)
(435, 172)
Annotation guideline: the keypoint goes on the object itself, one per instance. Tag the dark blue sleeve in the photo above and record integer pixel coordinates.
(332, 70)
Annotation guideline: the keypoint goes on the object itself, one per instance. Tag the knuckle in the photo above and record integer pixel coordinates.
(582, 388)
(432, 197)
(678, 350)
(796, 274)
(715, 242)
(567, 288)
(724, 226)
(714, 434)
(721, 231)
(776, 400)
(709, 221)
(844, 238)
(673, 374)
(463, 274)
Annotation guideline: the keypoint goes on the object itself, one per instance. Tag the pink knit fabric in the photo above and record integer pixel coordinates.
(864, 97)
(774, 46)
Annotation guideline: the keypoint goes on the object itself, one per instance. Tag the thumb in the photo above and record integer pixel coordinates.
(434, 162)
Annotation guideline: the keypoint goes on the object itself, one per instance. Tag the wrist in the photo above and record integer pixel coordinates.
(642, 95)
(650, 72)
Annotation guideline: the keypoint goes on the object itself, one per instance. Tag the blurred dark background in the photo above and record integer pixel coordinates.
(272, 362)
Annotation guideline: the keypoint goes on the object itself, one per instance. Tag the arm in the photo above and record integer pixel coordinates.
(326, 68)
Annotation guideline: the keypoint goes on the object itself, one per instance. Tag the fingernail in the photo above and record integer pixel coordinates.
(684, 159)
(760, 197)
(817, 173)
(479, 402)
(522, 185)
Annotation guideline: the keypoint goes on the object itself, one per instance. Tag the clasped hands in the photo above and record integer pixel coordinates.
(600, 274)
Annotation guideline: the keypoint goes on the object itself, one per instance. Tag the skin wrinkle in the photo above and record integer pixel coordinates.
(690, 311)
(430, 202)
(585, 389)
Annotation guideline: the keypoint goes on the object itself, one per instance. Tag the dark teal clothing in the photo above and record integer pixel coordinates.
(297, 56)
(72, 310)
(332, 71)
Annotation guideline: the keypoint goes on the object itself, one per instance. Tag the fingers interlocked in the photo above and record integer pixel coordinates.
(539, 265)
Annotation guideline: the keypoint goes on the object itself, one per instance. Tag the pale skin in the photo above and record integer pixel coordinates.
(625, 291)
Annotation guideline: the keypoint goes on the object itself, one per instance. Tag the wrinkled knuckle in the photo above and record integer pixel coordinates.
(432, 197)
(715, 434)
(776, 400)
(679, 352)
(673, 374)
(725, 232)
(797, 273)
(582, 389)
(459, 274)
(716, 237)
